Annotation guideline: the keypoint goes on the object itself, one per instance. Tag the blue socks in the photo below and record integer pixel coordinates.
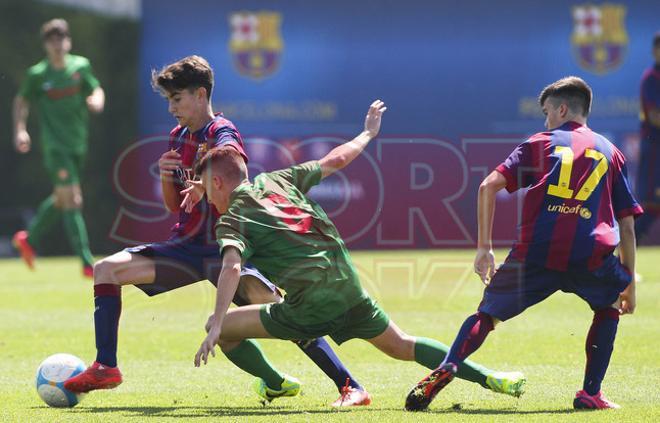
(599, 346)
(472, 334)
(107, 302)
(325, 358)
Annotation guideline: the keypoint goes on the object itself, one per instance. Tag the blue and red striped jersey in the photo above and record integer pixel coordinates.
(192, 146)
(577, 189)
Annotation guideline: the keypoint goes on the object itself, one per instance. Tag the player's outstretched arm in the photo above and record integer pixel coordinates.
(341, 156)
(627, 251)
(21, 109)
(484, 262)
(227, 285)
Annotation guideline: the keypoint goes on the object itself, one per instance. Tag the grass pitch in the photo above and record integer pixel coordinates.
(427, 293)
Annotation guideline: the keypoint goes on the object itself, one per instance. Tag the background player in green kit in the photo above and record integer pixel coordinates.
(290, 239)
(63, 89)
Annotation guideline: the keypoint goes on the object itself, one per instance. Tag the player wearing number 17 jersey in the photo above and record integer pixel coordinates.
(577, 210)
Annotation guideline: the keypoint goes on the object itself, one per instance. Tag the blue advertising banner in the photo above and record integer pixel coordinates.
(460, 80)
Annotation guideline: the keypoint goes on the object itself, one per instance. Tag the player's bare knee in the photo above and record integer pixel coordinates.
(104, 272)
(406, 348)
(400, 347)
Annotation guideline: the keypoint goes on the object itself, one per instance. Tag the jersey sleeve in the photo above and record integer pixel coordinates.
(516, 169)
(303, 176)
(230, 232)
(623, 201)
(228, 135)
(87, 78)
(28, 87)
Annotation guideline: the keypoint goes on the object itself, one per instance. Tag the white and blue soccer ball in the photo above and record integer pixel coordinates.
(52, 373)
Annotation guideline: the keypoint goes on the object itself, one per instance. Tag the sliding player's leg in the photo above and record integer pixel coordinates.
(239, 327)
(425, 351)
(254, 289)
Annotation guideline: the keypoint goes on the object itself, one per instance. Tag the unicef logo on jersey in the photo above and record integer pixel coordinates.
(563, 208)
(585, 213)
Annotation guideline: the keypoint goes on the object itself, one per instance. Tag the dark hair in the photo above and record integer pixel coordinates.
(574, 91)
(223, 160)
(656, 40)
(58, 27)
(189, 73)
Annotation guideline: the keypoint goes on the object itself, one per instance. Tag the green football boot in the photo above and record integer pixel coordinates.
(510, 383)
(290, 388)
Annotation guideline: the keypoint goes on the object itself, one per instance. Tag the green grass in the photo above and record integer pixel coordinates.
(427, 293)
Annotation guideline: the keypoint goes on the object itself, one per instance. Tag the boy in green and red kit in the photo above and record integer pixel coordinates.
(63, 89)
(273, 224)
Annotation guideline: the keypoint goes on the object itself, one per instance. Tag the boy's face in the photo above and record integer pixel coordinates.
(57, 45)
(213, 187)
(186, 104)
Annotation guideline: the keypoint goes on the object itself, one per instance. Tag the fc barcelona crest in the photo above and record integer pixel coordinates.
(599, 37)
(256, 44)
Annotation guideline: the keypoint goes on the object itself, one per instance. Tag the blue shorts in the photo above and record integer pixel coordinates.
(183, 262)
(517, 286)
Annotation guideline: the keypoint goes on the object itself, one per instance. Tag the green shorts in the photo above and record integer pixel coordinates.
(366, 320)
(63, 168)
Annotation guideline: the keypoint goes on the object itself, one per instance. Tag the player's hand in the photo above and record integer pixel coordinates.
(192, 195)
(628, 300)
(168, 163)
(95, 103)
(484, 264)
(372, 121)
(22, 142)
(208, 346)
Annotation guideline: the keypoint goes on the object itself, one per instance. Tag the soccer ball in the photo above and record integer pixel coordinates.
(52, 373)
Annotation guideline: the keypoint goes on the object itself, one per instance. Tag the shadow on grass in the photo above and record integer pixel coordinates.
(255, 411)
(498, 411)
(199, 411)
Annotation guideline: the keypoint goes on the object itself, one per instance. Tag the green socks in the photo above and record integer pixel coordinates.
(249, 357)
(47, 215)
(430, 353)
(76, 231)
